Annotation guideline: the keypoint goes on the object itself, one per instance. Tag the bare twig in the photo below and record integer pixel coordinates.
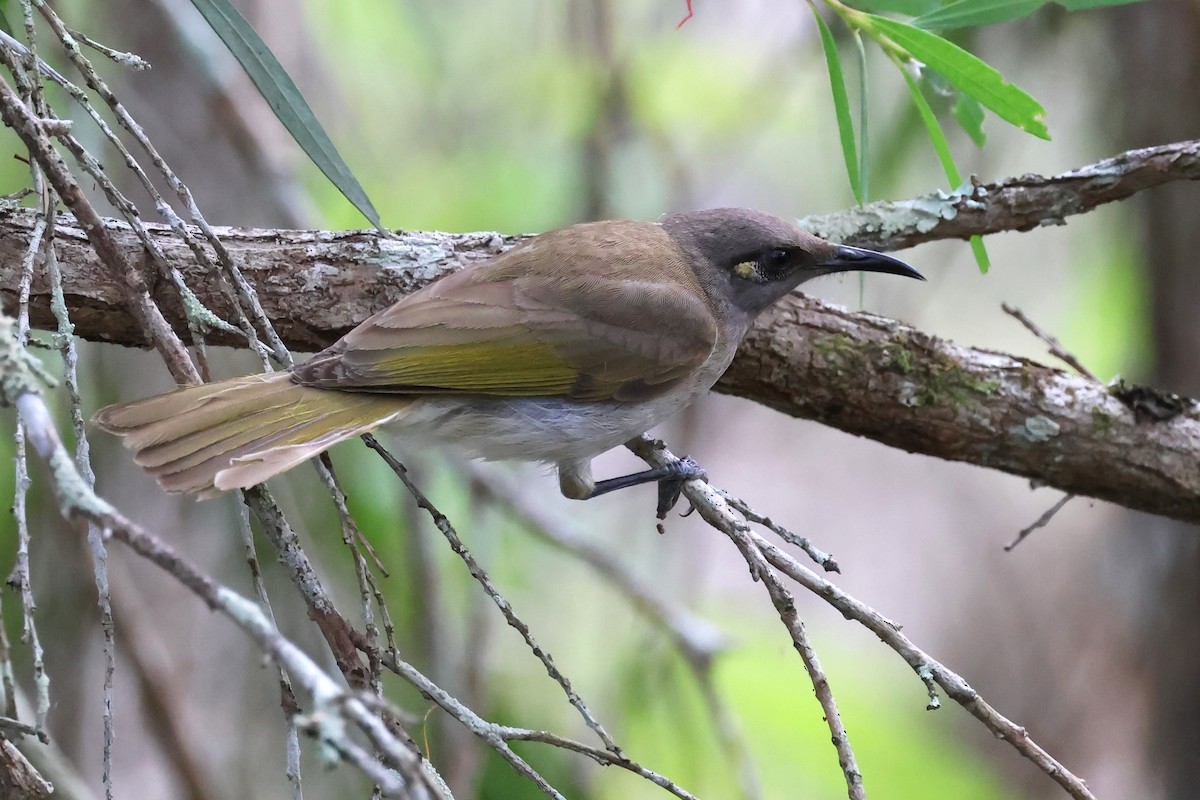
(287, 694)
(398, 770)
(18, 117)
(824, 560)
(95, 541)
(14, 729)
(721, 515)
(716, 512)
(498, 736)
(1040, 522)
(20, 578)
(1056, 348)
(481, 576)
(131, 60)
(696, 638)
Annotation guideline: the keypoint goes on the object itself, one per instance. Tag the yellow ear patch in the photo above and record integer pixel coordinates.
(747, 270)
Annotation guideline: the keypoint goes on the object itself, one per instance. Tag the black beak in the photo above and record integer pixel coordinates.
(855, 259)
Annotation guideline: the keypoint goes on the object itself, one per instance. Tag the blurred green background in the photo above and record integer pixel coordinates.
(520, 116)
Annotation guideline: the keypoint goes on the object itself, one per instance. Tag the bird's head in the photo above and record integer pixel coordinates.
(754, 259)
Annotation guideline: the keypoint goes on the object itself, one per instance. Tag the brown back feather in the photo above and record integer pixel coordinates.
(591, 312)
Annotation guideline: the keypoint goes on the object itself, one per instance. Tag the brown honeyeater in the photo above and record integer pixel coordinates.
(565, 346)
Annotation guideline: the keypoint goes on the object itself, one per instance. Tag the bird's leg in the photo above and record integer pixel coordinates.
(669, 477)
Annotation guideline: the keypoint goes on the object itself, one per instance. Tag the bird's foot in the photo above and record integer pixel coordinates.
(670, 486)
(669, 477)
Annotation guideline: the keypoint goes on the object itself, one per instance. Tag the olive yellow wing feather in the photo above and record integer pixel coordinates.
(524, 325)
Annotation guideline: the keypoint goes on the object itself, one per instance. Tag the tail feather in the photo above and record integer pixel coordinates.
(231, 435)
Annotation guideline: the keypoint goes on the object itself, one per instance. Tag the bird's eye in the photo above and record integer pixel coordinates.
(775, 262)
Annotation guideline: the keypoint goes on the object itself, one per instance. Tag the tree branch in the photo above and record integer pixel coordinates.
(1015, 204)
(857, 372)
(878, 378)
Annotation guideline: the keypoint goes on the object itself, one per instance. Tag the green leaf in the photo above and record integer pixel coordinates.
(981, 254)
(1081, 5)
(862, 117)
(281, 94)
(911, 8)
(942, 148)
(841, 104)
(966, 109)
(968, 73)
(969, 114)
(974, 13)
(936, 136)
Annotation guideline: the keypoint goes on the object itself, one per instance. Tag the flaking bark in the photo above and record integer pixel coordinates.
(878, 378)
(860, 373)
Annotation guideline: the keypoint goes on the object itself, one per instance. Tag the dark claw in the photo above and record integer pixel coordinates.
(670, 487)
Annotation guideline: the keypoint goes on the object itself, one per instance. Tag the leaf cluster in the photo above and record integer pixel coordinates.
(929, 61)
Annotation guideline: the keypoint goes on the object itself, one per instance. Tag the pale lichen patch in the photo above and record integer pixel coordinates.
(1036, 430)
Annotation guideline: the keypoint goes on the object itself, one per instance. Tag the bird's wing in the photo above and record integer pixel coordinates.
(495, 330)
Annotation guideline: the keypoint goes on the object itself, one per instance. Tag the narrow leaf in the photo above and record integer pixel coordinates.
(1080, 5)
(968, 73)
(863, 175)
(942, 148)
(969, 114)
(966, 109)
(974, 13)
(911, 8)
(281, 94)
(841, 104)
(936, 136)
(982, 259)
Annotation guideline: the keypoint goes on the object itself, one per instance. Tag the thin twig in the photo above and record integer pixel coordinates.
(927, 668)
(83, 462)
(351, 538)
(695, 637)
(825, 560)
(244, 293)
(497, 736)
(17, 116)
(1040, 522)
(1056, 348)
(724, 518)
(342, 637)
(131, 60)
(20, 578)
(480, 575)
(720, 515)
(287, 695)
(332, 709)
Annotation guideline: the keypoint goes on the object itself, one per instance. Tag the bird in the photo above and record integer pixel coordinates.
(567, 345)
